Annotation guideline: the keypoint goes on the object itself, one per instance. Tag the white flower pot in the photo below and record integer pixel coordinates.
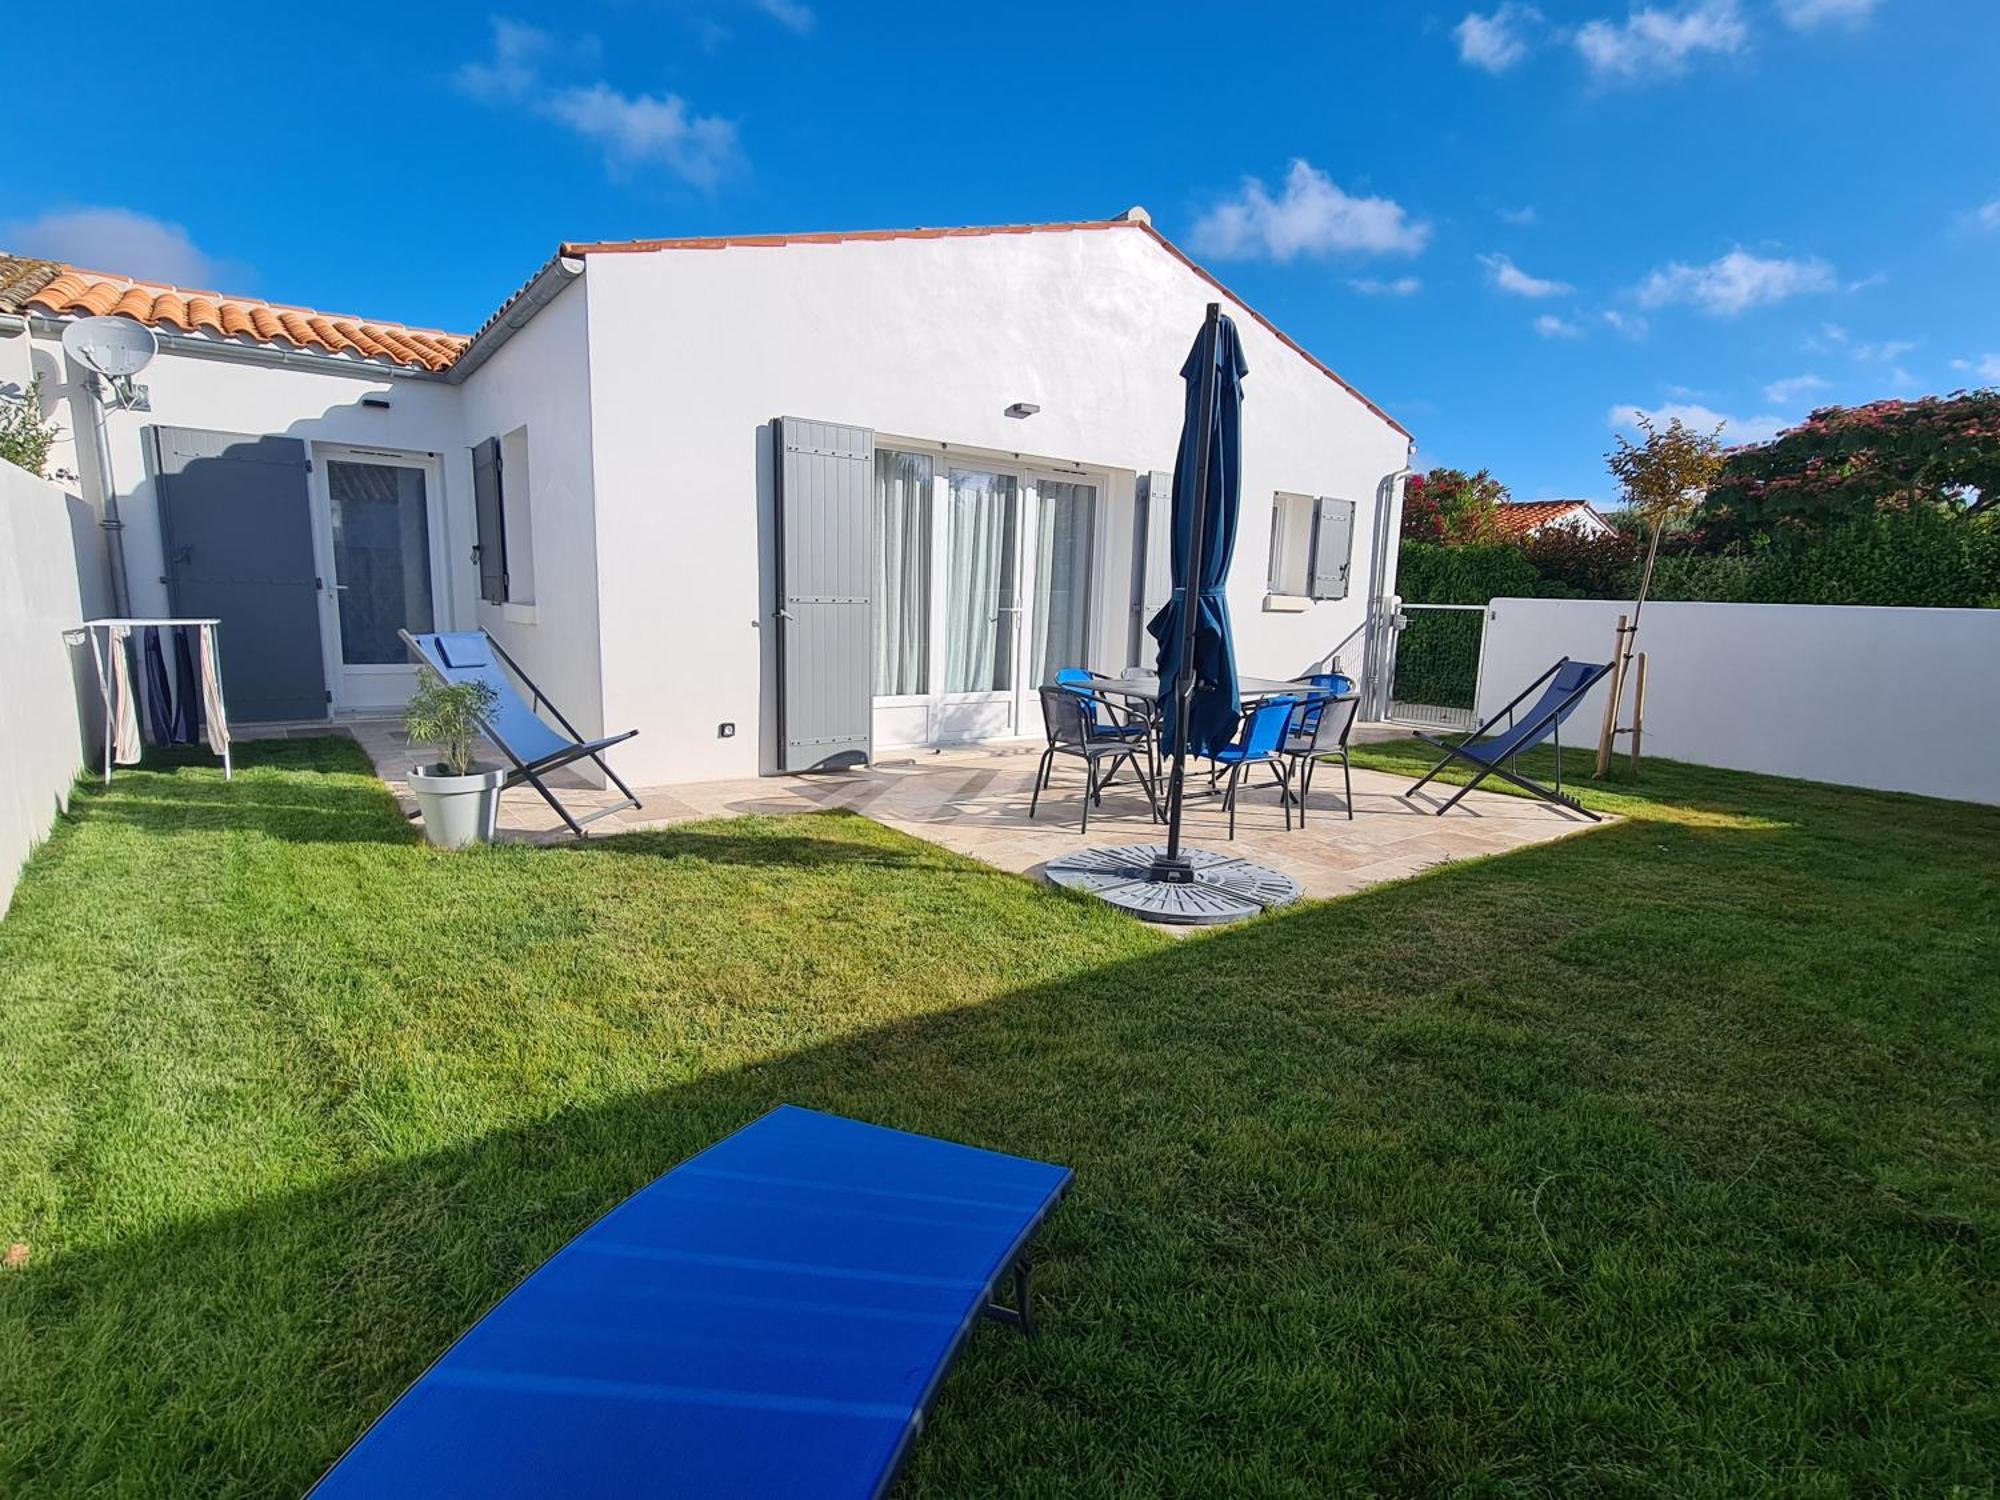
(458, 810)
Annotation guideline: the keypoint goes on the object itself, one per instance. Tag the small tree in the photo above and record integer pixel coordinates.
(25, 437)
(1664, 479)
(447, 715)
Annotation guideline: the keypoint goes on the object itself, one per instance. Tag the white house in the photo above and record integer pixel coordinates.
(776, 501)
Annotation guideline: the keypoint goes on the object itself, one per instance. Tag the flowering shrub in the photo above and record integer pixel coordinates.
(1452, 506)
(1843, 464)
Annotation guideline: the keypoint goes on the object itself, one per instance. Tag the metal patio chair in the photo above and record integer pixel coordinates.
(1495, 754)
(1071, 721)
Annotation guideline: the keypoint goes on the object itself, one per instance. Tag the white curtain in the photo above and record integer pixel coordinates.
(902, 572)
(1062, 574)
(979, 593)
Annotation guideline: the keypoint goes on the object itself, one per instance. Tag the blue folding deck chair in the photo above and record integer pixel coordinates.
(773, 1318)
(1567, 682)
(513, 726)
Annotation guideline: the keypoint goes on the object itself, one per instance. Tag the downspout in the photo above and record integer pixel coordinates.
(1377, 651)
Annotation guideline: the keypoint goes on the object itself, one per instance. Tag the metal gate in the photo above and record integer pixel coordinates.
(1434, 675)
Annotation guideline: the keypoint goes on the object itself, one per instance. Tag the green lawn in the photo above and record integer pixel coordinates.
(1664, 1160)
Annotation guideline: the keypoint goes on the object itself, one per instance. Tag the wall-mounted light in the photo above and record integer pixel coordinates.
(1023, 409)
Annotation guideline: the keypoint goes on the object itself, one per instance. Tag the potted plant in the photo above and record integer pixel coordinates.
(459, 797)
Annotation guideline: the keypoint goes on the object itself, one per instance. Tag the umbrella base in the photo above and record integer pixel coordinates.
(1224, 887)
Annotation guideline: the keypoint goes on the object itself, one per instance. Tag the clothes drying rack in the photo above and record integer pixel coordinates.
(107, 639)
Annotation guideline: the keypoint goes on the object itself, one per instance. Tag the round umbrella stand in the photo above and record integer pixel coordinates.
(1225, 888)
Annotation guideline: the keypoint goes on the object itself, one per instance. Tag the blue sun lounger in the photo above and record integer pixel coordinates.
(1493, 754)
(513, 726)
(771, 1318)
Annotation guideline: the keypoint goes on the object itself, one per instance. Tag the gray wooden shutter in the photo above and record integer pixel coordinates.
(1333, 548)
(490, 517)
(1153, 573)
(826, 576)
(236, 522)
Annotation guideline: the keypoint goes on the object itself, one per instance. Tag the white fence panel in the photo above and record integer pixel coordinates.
(51, 576)
(1904, 700)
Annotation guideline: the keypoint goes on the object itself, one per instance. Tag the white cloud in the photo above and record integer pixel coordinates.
(1630, 324)
(789, 14)
(1312, 217)
(1549, 326)
(1702, 418)
(1887, 352)
(1511, 278)
(1371, 286)
(1734, 283)
(1498, 41)
(1652, 43)
(634, 130)
(1523, 217)
(1986, 368)
(648, 130)
(1804, 15)
(1987, 215)
(119, 240)
(1786, 392)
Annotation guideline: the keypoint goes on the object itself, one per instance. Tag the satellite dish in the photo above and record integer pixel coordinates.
(114, 347)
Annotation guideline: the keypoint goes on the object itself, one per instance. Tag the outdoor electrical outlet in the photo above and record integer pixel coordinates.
(726, 731)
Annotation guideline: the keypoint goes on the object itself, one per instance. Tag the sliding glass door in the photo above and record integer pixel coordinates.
(983, 591)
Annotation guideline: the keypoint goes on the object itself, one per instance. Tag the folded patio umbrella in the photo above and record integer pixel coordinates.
(1214, 710)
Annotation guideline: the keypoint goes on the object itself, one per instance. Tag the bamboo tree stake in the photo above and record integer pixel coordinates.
(1610, 731)
(1638, 712)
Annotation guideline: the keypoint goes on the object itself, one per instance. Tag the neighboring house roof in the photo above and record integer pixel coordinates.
(1524, 517)
(52, 287)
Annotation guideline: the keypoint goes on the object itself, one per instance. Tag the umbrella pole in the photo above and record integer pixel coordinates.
(1176, 866)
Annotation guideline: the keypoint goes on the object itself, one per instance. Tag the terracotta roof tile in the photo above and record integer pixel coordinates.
(49, 286)
(21, 277)
(1519, 517)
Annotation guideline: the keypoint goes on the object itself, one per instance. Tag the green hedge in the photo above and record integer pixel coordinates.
(1918, 557)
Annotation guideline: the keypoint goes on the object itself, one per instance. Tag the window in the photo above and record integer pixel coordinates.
(902, 573)
(1312, 546)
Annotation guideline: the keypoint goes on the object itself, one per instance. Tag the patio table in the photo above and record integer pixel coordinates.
(1147, 689)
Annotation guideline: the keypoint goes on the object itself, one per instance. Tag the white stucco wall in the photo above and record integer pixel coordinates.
(692, 352)
(1902, 700)
(317, 404)
(540, 380)
(51, 579)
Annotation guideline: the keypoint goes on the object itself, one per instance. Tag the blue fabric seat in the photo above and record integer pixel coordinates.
(513, 726)
(1563, 687)
(772, 1318)
(1259, 741)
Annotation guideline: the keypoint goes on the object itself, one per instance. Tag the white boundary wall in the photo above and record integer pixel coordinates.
(1904, 700)
(51, 577)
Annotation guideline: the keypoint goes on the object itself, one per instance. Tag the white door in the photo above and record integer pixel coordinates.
(381, 550)
(984, 589)
(981, 587)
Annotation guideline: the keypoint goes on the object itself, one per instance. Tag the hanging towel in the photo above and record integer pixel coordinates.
(217, 726)
(187, 697)
(124, 711)
(159, 690)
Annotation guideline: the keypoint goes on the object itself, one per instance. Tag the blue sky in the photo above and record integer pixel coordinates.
(1507, 223)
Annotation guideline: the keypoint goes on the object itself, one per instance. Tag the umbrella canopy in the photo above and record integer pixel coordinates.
(1215, 709)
